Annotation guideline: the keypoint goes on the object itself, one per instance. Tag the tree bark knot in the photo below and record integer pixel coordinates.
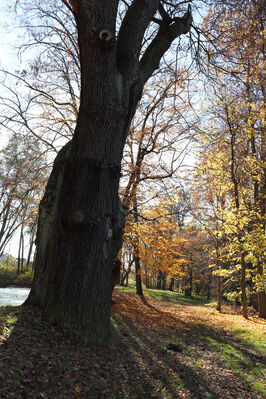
(105, 38)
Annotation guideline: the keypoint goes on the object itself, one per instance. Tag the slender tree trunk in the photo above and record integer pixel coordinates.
(261, 295)
(172, 283)
(30, 249)
(262, 304)
(237, 205)
(219, 293)
(262, 202)
(22, 250)
(159, 280)
(243, 287)
(124, 278)
(19, 253)
(164, 282)
(189, 282)
(139, 290)
(116, 273)
(219, 281)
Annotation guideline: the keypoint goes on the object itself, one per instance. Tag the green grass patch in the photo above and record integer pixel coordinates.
(168, 296)
(8, 319)
(251, 338)
(238, 355)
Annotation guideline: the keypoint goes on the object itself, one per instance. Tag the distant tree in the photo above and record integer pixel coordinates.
(156, 241)
(23, 173)
(233, 143)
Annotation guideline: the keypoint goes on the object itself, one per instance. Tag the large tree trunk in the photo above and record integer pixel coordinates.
(69, 293)
(79, 230)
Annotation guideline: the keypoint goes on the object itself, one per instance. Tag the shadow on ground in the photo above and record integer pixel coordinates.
(37, 361)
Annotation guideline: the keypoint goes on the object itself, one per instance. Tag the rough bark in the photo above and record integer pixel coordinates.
(79, 229)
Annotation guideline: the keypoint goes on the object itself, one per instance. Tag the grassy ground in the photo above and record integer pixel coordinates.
(168, 296)
(9, 277)
(218, 355)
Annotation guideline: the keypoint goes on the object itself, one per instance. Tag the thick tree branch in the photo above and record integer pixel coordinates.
(167, 33)
(72, 5)
(132, 30)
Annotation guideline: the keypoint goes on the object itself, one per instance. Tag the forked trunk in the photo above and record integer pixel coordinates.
(79, 231)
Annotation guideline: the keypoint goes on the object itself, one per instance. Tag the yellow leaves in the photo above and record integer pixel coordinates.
(77, 389)
(157, 239)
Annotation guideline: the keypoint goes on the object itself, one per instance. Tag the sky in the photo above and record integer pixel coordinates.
(8, 34)
(8, 61)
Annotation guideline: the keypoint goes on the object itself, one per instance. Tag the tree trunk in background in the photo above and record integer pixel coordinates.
(219, 281)
(116, 273)
(172, 283)
(18, 261)
(20, 252)
(139, 290)
(243, 287)
(164, 283)
(262, 201)
(136, 255)
(189, 283)
(30, 249)
(261, 297)
(219, 293)
(159, 281)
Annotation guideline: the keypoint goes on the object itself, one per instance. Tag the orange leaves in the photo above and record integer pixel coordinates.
(158, 240)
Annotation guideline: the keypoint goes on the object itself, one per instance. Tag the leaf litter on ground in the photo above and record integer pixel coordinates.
(38, 361)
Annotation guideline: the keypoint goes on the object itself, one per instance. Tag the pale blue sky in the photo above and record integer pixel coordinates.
(8, 35)
(9, 60)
